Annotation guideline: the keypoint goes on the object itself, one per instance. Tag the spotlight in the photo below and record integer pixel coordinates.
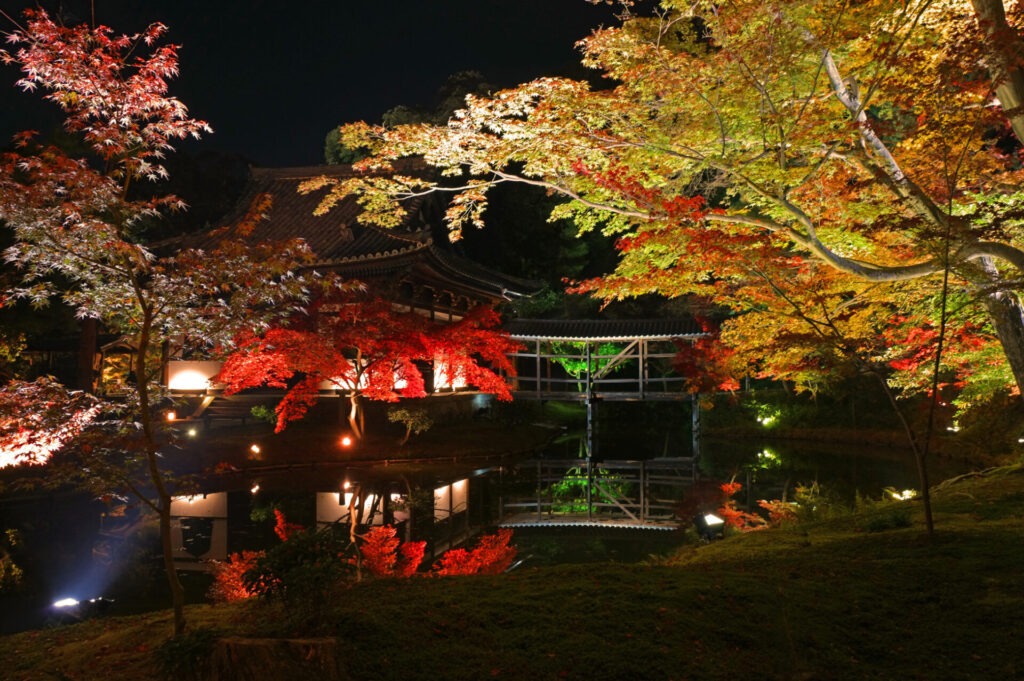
(191, 432)
(171, 415)
(65, 603)
(254, 448)
(709, 526)
(346, 441)
(255, 488)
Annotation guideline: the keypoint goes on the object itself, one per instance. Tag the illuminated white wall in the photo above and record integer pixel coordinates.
(188, 375)
(443, 378)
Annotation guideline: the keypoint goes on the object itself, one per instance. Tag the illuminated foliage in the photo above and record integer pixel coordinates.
(747, 145)
(365, 347)
(75, 226)
(491, 556)
(385, 556)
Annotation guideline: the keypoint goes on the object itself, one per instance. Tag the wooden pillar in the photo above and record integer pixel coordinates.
(642, 351)
(590, 484)
(695, 424)
(643, 491)
(537, 374)
(539, 478)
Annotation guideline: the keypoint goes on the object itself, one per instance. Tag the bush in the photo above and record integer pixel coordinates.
(893, 520)
(307, 567)
(186, 657)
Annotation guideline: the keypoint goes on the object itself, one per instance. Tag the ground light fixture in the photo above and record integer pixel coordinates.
(65, 603)
(709, 526)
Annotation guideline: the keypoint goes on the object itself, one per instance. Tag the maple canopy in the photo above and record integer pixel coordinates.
(362, 345)
(75, 231)
(744, 148)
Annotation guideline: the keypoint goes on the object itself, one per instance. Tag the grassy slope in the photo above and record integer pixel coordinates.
(826, 600)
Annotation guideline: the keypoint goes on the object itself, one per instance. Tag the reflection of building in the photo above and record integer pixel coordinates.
(436, 505)
(199, 529)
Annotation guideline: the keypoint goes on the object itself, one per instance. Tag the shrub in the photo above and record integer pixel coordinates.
(186, 657)
(890, 521)
(384, 558)
(491, 556)
(228, 576)
(307, 566)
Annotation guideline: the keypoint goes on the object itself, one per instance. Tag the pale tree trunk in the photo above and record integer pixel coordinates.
(1007, 316)
(355, 414)
(1002, 46)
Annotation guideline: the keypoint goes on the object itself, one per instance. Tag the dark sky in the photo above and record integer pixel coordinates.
(272, 77)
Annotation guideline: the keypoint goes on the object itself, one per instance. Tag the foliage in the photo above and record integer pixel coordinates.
(186, 656)
(383, 556)
(228, 582)
(362, 345)
(10, 574)
(305, 569)
(810, 164)
(575, 362)
(491, 556)
(282, 528)
(892, 520)
(264, 413)
(416, 421)
(733, 516)
(76, 232)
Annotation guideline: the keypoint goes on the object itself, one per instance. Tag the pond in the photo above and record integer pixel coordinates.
(77, 547)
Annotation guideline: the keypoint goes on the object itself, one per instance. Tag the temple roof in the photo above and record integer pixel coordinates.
(341, 243)
(602, 329)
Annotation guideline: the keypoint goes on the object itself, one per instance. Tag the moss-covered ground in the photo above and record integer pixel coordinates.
(839, 598)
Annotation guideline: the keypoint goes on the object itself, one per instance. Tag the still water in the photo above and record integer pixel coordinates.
(76, 547)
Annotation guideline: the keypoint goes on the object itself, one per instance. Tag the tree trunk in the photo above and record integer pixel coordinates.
(1007, 315)
(1001, 46)
(156, 476)
(355, 415)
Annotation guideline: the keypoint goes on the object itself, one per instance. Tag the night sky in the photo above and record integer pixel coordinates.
(273, 77)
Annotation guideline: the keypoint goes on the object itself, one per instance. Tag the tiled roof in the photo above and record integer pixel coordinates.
(602, 329)
(340, 242)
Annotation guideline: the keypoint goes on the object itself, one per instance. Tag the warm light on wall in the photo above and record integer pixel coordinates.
(188, 375)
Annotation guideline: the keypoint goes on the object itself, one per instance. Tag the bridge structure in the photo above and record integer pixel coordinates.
(584, 492)
(594, 361)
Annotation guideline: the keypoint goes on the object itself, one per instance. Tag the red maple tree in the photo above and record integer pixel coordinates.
(366, 347)
(385, 556)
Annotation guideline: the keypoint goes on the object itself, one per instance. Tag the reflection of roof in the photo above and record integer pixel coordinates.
(340, 242)
(602, 329)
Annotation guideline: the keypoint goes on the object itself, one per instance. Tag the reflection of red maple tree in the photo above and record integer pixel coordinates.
(369, 349)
